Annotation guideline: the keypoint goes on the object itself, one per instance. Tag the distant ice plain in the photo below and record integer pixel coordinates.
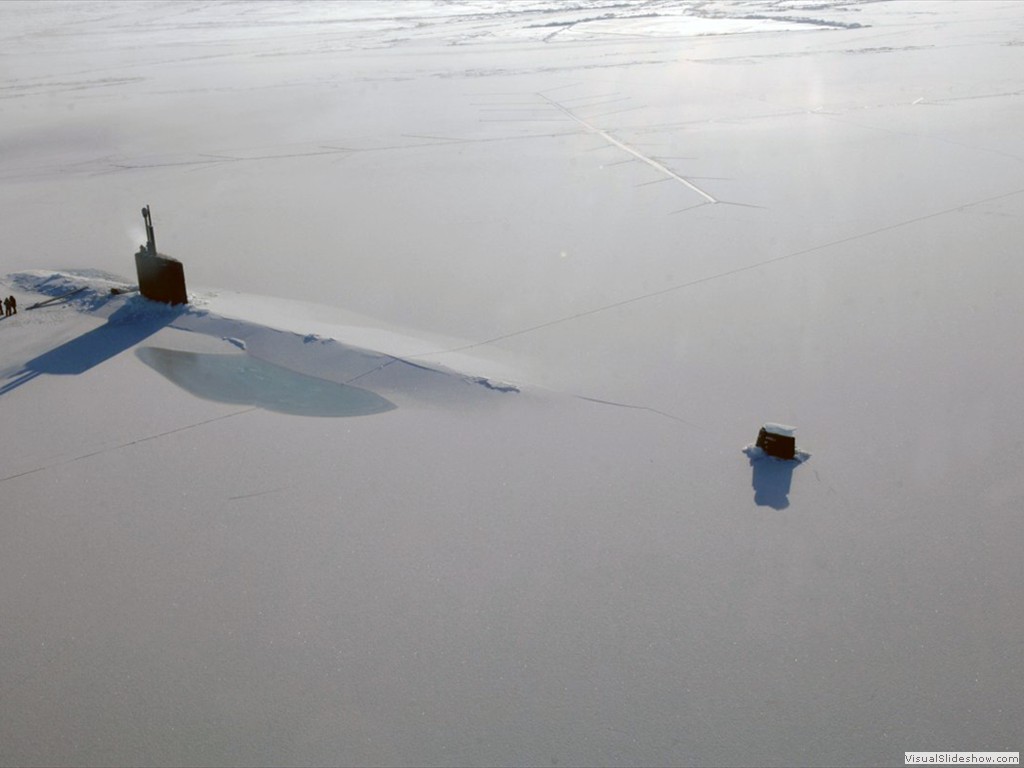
(550, 581)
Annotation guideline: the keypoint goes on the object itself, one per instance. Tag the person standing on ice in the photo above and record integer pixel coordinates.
(14, 305)
(7, 307)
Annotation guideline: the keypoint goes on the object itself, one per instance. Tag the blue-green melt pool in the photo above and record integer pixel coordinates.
(245, 380)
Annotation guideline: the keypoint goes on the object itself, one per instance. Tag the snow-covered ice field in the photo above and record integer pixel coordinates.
(443, 464)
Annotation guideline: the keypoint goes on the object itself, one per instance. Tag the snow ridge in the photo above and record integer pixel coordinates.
(326, 355)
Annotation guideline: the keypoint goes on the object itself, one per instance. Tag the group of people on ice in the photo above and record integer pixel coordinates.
(10, 306)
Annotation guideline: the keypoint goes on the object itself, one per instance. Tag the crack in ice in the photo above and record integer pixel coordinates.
(626, 148)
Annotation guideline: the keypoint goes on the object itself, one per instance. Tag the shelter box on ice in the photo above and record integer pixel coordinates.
(777, 440)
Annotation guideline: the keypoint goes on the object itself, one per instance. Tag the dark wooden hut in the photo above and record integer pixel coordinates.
(777, 440)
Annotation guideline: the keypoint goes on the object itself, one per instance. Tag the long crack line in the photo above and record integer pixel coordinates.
(626, 148)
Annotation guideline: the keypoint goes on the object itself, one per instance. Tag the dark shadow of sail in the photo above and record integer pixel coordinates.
(241, 379)
(124, 329)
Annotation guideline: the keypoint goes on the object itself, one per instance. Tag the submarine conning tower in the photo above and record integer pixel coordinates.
(161, 278)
